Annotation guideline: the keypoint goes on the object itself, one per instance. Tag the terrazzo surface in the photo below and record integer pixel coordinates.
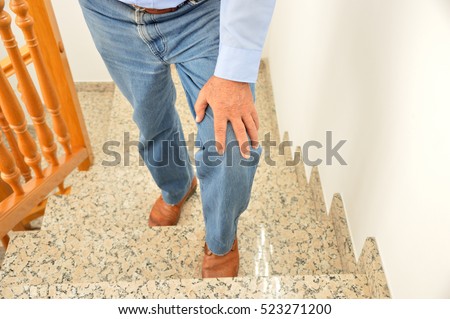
(79, 256)
(308, 287)
(343, 239)
(316, 188)
(370, 264)
(96, 243)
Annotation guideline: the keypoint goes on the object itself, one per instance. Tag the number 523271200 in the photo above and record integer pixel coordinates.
(293, 309)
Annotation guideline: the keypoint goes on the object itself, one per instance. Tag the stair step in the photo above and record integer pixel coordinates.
(274, 215)
(117, 252)
(111, 191)
(275, 223)
(293, 243)
(352, 286)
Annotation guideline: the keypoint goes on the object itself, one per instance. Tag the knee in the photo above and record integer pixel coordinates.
(232, 160)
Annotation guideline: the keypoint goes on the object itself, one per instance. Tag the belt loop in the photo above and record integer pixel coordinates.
(138, 14)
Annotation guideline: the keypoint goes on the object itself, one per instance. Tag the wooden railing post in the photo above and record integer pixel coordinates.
(14, 115)
(30, 95)
(55, 59)
(9, 172)
(26, 22)
(18, 157)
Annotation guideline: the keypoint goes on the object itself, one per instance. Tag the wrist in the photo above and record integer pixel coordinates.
(219, 80)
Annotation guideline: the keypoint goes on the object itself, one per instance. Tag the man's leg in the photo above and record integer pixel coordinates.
(132, 55)
(225, 181)
(188, 38)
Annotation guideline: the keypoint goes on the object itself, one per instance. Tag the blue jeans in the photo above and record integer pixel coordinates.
(138, 49)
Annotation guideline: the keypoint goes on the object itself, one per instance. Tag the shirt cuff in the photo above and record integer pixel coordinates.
(240, 65)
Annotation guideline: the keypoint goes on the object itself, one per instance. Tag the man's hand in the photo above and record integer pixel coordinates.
(231, 102)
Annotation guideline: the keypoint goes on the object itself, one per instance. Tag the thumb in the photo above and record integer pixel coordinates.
(200, 107)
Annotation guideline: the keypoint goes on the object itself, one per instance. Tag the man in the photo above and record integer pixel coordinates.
(216, 48)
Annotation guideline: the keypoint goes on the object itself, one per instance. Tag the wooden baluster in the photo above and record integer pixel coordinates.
(9, 172)
(18, 157)
(30, 95)
(26, 24)
(14, 115)
(55, 58)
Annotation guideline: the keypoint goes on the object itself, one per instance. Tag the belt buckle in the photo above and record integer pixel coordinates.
(159, 11)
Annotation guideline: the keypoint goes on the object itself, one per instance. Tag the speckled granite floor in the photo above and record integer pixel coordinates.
(298, 287)
(95, 242)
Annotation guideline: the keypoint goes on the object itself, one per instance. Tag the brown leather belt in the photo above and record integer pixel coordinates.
(160, 11)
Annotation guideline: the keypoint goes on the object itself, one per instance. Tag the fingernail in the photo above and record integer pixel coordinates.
(196, 119)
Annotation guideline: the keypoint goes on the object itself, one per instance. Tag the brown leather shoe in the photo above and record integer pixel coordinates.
(163, 214)
(221, 266)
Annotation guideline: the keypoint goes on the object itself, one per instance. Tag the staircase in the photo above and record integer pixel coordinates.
(95, 242)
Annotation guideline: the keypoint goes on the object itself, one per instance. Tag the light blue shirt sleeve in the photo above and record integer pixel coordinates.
(243, 29)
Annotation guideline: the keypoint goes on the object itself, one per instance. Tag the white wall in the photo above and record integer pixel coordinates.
(376, 73)
(85, 62)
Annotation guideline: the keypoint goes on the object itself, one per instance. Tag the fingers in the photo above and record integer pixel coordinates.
(200, 107)
(220, 132)
(252, 130)
(241, 136)
(255, 119)
(241, 128)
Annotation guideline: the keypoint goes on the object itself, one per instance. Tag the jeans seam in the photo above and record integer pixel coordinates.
(158, 31)
(140, 29)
